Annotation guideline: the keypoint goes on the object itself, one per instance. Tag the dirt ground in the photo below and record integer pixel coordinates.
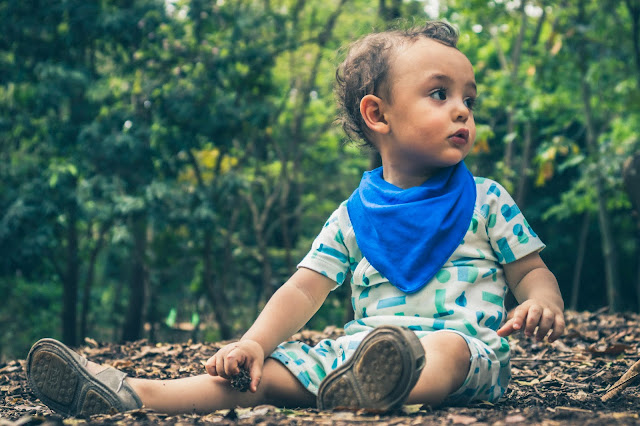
(552, 384)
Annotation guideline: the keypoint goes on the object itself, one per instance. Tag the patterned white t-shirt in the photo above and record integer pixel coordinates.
(466, 295)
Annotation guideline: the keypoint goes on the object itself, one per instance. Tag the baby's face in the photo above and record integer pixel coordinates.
(430, 112)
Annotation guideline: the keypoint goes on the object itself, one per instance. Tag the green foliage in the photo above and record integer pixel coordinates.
(212, 124)
(35, 306)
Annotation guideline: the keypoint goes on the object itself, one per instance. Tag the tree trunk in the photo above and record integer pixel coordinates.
(391, 12)
(228, 272)
(132, 328)
(267, 289)
(152, 316)
(215, 293)
(631, 179)
(396, 10)
(514, 66)
(88, 283)
(577, 270)
(285, 232)
(70, 289)
(609, 251)
(382, 8)
(523, 178)
(116, 310)
(634, 12)
(297, 132)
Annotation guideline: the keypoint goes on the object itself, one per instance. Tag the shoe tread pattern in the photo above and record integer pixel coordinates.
(54, 378)
(378, 376)
(379, 370)
(94, 403)
(341, 394)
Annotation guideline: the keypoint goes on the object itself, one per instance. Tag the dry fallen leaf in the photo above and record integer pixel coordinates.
(516, 418)
(608, 349)
(528, 383)
(461, 419)
(544, 376)
(121, 363)
(572, 410)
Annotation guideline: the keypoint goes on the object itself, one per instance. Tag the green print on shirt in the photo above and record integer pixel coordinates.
(319, 371)
(443, 276)
(504, 347)
(473, 226)
(466, 271)
(509, 212)
(441, 297)
(332, 252)
(492, 298)
(518, 231)
(470, 327)
(493, 272)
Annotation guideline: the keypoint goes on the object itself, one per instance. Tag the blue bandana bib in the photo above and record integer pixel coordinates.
(408, 234)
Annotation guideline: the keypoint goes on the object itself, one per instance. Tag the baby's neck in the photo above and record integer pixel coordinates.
(403, 179)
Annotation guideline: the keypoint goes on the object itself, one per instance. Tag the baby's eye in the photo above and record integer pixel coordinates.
(470, 102)
(439, 95)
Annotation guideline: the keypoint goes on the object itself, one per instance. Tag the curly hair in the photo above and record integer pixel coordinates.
(366, 68)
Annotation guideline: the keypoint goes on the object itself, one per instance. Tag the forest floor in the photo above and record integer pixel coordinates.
(553, 384)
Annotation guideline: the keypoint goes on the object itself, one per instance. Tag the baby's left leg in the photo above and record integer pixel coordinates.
(70, 384)
(447, 366)
(204, 393)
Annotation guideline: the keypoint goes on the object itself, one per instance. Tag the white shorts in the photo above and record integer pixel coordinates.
(486, 380)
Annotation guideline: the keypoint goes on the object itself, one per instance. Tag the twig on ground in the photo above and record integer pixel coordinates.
(626, 380)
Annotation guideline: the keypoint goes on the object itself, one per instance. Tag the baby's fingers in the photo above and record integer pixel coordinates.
(506, 329)
(515, 320)
(518, 318)
(558, 328)
(533, 319)
(220, 366)
(210, 366)
(256, 374)
(232, 363)
(546, 323)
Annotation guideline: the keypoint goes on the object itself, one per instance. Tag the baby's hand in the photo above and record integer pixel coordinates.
(228, 360)
(534, 313)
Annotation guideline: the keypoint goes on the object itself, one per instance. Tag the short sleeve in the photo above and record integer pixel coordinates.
(510, 235)
(329, 255)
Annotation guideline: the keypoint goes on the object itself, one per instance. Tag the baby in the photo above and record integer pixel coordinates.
(431, 249)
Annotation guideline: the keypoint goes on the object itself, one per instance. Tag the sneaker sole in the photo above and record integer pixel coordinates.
(63, 384)
(380, 374)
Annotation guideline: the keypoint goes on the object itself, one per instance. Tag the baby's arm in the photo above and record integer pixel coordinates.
(541, 304)
(286, 312)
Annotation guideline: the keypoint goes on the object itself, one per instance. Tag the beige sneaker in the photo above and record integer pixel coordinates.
(60, 379)
(380, 374)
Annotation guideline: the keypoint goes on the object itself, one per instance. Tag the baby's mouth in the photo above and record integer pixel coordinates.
(461, 137)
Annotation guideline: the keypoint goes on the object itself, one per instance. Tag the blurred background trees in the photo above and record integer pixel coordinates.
(165, 164)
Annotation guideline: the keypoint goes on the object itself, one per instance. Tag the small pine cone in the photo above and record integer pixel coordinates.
(241, 381)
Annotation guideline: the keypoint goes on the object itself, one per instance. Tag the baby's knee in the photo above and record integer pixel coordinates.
(281, 388)
(449, 346)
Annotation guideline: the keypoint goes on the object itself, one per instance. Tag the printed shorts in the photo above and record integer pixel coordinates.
(486, 380)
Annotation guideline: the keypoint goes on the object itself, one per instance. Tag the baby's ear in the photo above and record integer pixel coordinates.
(371, 108)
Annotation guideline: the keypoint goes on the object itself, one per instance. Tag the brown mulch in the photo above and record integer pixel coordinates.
(558, 383)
